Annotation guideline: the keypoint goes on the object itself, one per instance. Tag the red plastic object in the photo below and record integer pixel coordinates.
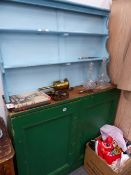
(105, 149)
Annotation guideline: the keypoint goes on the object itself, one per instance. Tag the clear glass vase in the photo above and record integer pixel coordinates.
(103, 78)
(90, 83)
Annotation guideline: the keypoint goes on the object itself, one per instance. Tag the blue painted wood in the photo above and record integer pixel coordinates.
(104, 44)
(31, 50)
(17, 16)
(28, 79)
(6, 93)
(73, 48)
(1, 63)
(39, 44)
(34, 19)
(41, 31)
(58, 63)
(70, 21)
(64, 5)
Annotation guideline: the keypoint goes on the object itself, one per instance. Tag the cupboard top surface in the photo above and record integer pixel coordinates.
(74, 95)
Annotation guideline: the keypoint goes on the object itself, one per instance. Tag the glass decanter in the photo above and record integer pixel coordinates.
(103, 78)
(90, 83)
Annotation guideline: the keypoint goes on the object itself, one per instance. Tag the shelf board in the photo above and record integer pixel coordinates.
(48, 32)
(56, 63)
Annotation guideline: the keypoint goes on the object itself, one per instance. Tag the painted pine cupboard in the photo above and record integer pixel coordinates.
(42, 41)
(51, 139)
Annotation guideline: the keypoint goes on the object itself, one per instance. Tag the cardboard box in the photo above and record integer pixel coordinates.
(96, 166)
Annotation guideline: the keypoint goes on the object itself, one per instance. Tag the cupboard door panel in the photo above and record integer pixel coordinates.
(96, 111)
(45, 140)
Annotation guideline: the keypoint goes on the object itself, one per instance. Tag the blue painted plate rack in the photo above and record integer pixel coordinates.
(45, 40)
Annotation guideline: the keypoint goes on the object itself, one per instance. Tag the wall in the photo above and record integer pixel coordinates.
(97, 3)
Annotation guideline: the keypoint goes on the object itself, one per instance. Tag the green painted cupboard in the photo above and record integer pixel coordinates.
(50, 140)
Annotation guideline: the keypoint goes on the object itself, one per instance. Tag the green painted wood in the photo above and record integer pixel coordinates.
(51, 140)
(96, 110)
(44, 140)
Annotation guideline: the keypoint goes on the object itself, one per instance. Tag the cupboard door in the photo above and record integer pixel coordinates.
(45, 140)
(96, 111)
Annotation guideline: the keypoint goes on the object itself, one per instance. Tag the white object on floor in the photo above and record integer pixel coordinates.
(115, 133)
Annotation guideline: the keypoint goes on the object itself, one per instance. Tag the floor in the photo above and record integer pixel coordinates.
(79, 171)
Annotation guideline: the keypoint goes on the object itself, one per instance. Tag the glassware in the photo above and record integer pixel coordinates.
(103, 78)
(90, 84)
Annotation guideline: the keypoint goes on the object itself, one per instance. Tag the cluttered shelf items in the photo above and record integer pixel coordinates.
(58, 91)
